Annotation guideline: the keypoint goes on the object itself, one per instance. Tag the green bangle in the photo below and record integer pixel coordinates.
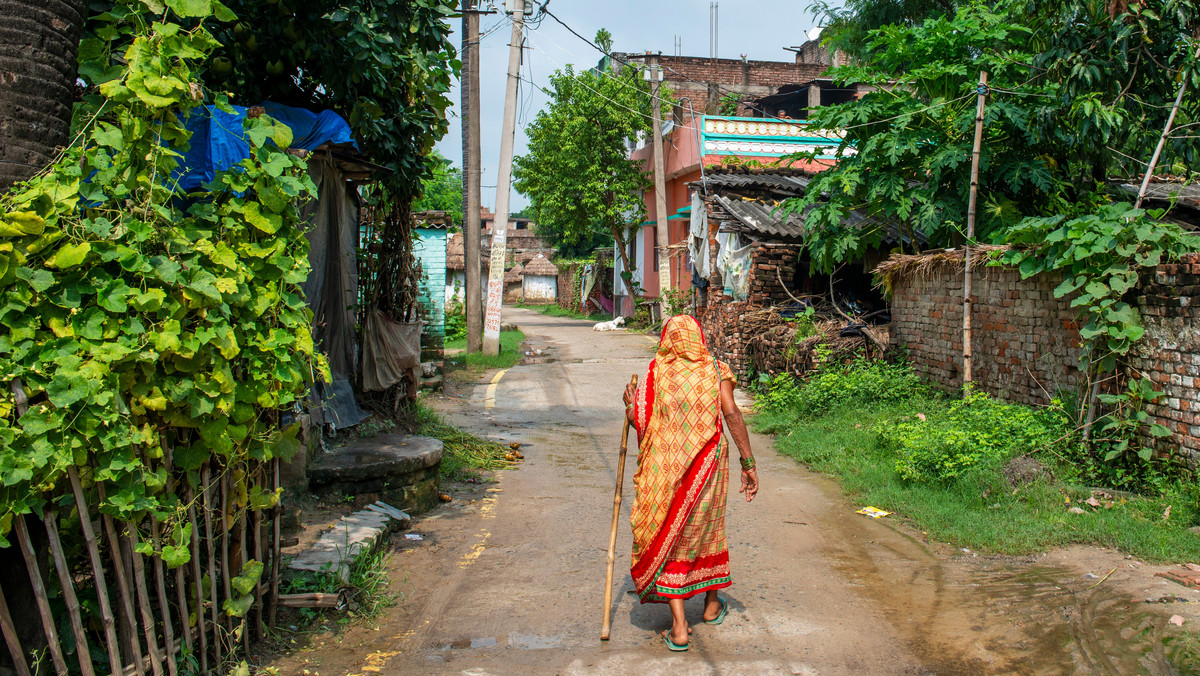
(747, 463)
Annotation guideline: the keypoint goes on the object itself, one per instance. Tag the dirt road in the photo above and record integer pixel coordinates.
(509, 577)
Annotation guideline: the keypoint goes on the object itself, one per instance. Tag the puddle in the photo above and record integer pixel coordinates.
(513, 640)
(997, 616)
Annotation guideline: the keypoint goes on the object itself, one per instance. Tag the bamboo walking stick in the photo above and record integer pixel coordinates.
(612, 534)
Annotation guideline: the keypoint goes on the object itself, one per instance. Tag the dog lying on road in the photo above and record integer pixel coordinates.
(610, 326)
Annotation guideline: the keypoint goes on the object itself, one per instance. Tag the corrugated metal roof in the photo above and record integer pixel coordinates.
(757, 217)
(791, 185)
(760, 219)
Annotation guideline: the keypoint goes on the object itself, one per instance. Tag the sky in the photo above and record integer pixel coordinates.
(760, 29)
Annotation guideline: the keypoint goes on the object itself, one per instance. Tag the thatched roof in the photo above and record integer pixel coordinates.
(513, 276)
(927, 262)
(540, 267)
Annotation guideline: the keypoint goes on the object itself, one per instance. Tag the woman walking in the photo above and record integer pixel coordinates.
(682, 478)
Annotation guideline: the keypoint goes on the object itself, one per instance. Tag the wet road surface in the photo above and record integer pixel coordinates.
(509, 578)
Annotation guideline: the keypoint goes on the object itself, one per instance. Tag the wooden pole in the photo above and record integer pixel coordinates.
(273, 599)
(226, 528)
(50, 518)
(967, 302)
(10, 637)
(89, 537)
(128, 618)
(472, 180)
(214, 606)
(164, 608)
(198, 581)
(143, 596)
(39, 590)
(1162, 139)
(612, 533)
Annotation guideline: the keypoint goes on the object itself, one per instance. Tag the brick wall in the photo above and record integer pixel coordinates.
(703, 80)
(1170, 354)
(1025, 345)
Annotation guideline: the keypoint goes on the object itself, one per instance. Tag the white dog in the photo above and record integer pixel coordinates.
(610, 326)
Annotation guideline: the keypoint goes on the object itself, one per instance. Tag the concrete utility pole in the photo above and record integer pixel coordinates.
(495, 291)
(967, 303)
(472, 228)
(654, 75)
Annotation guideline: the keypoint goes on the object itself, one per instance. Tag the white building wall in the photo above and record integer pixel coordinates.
(539, 289)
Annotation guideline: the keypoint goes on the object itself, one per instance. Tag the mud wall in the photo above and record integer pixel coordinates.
(1026, 341)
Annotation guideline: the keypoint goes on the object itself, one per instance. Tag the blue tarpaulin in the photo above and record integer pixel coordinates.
(219, 140)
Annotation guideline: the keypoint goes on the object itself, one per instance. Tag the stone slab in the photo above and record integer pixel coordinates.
(350, 537)
(379, 458)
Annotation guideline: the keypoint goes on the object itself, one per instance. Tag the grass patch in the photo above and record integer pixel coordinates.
(510, 354)
(366, 593)
(464, 455)
(963, 498)
(556, 311)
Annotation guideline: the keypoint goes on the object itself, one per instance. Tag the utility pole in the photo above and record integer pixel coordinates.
(472, 228)
(982, 90)
(654, 75)
(495, 288)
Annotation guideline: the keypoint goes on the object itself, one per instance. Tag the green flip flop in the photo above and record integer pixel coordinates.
(673, 646)
(721, 615)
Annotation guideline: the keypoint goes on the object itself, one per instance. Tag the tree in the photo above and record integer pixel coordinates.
(577, 173)
(1077, 98)
(443, 190)
(384, 65)
(37, 59)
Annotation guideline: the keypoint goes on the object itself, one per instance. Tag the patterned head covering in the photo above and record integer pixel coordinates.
(682, 339)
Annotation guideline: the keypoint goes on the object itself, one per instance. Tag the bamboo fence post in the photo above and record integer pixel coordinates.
(68, 591)
(242, 555)
(164, 608)
(198, 581)
(206, 482)
(273, 600)
(143, 597)
(10, 637)
(225, 535)
(89, 536)
(129, 620)
(982, 90)
(256, 526)
(39, 590)
(180, 574)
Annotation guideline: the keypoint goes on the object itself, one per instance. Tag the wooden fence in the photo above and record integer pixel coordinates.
(153, 619)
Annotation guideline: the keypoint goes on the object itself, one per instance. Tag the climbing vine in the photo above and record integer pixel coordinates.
(150, 333)
(1101, 255)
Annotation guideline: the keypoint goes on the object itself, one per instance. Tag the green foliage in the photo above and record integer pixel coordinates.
(1076, 98)
(142, 322)
(857, 383)
(443, 190)
(384, 65)
(464, 453)
(1100, 256)
(973, 433)
(805, 323)
(1127, 418)
(980, 509)
(729, 104)
(577, 173)
(510, 353)
(456, 320)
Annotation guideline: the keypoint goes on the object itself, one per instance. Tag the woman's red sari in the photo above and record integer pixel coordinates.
(682, 478)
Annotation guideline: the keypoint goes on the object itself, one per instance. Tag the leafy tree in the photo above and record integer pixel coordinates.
(443, 190)
(577, 173)
(384, 65)
(1076, 98)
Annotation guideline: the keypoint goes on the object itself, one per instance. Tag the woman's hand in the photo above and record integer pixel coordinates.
(630, 394)
(749, 483)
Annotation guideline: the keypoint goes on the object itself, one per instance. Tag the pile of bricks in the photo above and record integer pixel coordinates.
(1026, 342)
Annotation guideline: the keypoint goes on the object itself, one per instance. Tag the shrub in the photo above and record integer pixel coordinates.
(974, 432)
(456, 320)
(860, 383)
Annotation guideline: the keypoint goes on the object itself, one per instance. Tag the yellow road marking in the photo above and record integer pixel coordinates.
(489, 399)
